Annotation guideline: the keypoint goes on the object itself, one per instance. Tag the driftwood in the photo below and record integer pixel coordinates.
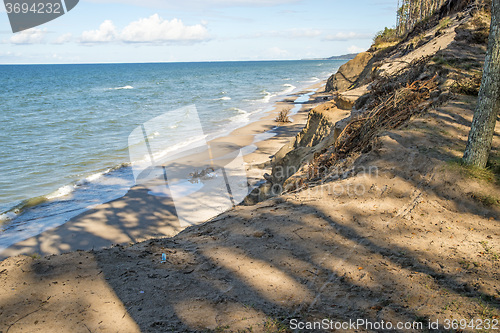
(395, 110)
(392, 103)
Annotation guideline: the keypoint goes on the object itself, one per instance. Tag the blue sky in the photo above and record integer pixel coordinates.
(198, 30)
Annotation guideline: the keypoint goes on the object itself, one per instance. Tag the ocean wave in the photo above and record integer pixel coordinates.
(288, 90)
(239, 110)
(91, 178)
(61, 192)
(313, 79)
(122, 88)
(18, 209)
(240, 119)
(225, 98)
(7, 216)
(267, 96)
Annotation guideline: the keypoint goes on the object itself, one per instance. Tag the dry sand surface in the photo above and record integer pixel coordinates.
(405, 244)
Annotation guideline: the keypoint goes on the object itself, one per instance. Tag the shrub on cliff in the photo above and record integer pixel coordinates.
(386, 36)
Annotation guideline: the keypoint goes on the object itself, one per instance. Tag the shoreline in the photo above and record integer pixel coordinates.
(107, 152)
(138, 215)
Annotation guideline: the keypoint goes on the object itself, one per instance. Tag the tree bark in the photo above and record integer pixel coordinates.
(483, 125)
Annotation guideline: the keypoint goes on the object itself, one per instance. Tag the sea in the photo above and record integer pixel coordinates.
(64, 129)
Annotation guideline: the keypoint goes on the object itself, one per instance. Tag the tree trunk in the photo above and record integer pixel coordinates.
(483, 125)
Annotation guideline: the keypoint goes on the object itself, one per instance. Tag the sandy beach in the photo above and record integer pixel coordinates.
(139, 216)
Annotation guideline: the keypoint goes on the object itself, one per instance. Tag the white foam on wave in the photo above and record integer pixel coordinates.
(225, 98)
(289, 89)
(61, 192)
(96, 176)
(267, 98)
(89, 179)
(313, 79)
(239, 110)
(7, 216)
(122, 88)
(241, 117)
(68, 189)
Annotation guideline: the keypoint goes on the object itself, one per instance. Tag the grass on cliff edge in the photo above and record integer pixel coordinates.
(385, 38)
(491, 174)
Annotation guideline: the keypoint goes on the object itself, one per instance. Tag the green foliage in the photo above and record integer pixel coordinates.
(35, 256)
(411, 13)
(444, 23)
(490, 174)
(489, 251)
(467, 85)
(388, 35)
(440, 61)
(274, 325)
(486, 199)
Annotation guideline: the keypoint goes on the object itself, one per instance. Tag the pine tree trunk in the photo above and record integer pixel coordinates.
(483, 125)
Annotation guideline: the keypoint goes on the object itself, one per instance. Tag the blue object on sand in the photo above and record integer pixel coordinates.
(163, 257)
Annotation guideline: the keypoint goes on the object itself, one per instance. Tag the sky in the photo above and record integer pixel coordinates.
(132, 31)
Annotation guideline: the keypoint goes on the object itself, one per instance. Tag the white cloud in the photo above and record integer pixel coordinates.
(277, 53)
(343, 36)
(291, 33)
(198, 4)
(305, 33)
(30, 36)
(355, 49)
(153, 29)
(56, 56)
(63, 39)
(10, 54)
(245, 2)
(105, 33)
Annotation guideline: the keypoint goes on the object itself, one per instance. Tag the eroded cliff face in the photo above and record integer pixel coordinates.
(445, 55)
(349, 73)
(319, 133)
